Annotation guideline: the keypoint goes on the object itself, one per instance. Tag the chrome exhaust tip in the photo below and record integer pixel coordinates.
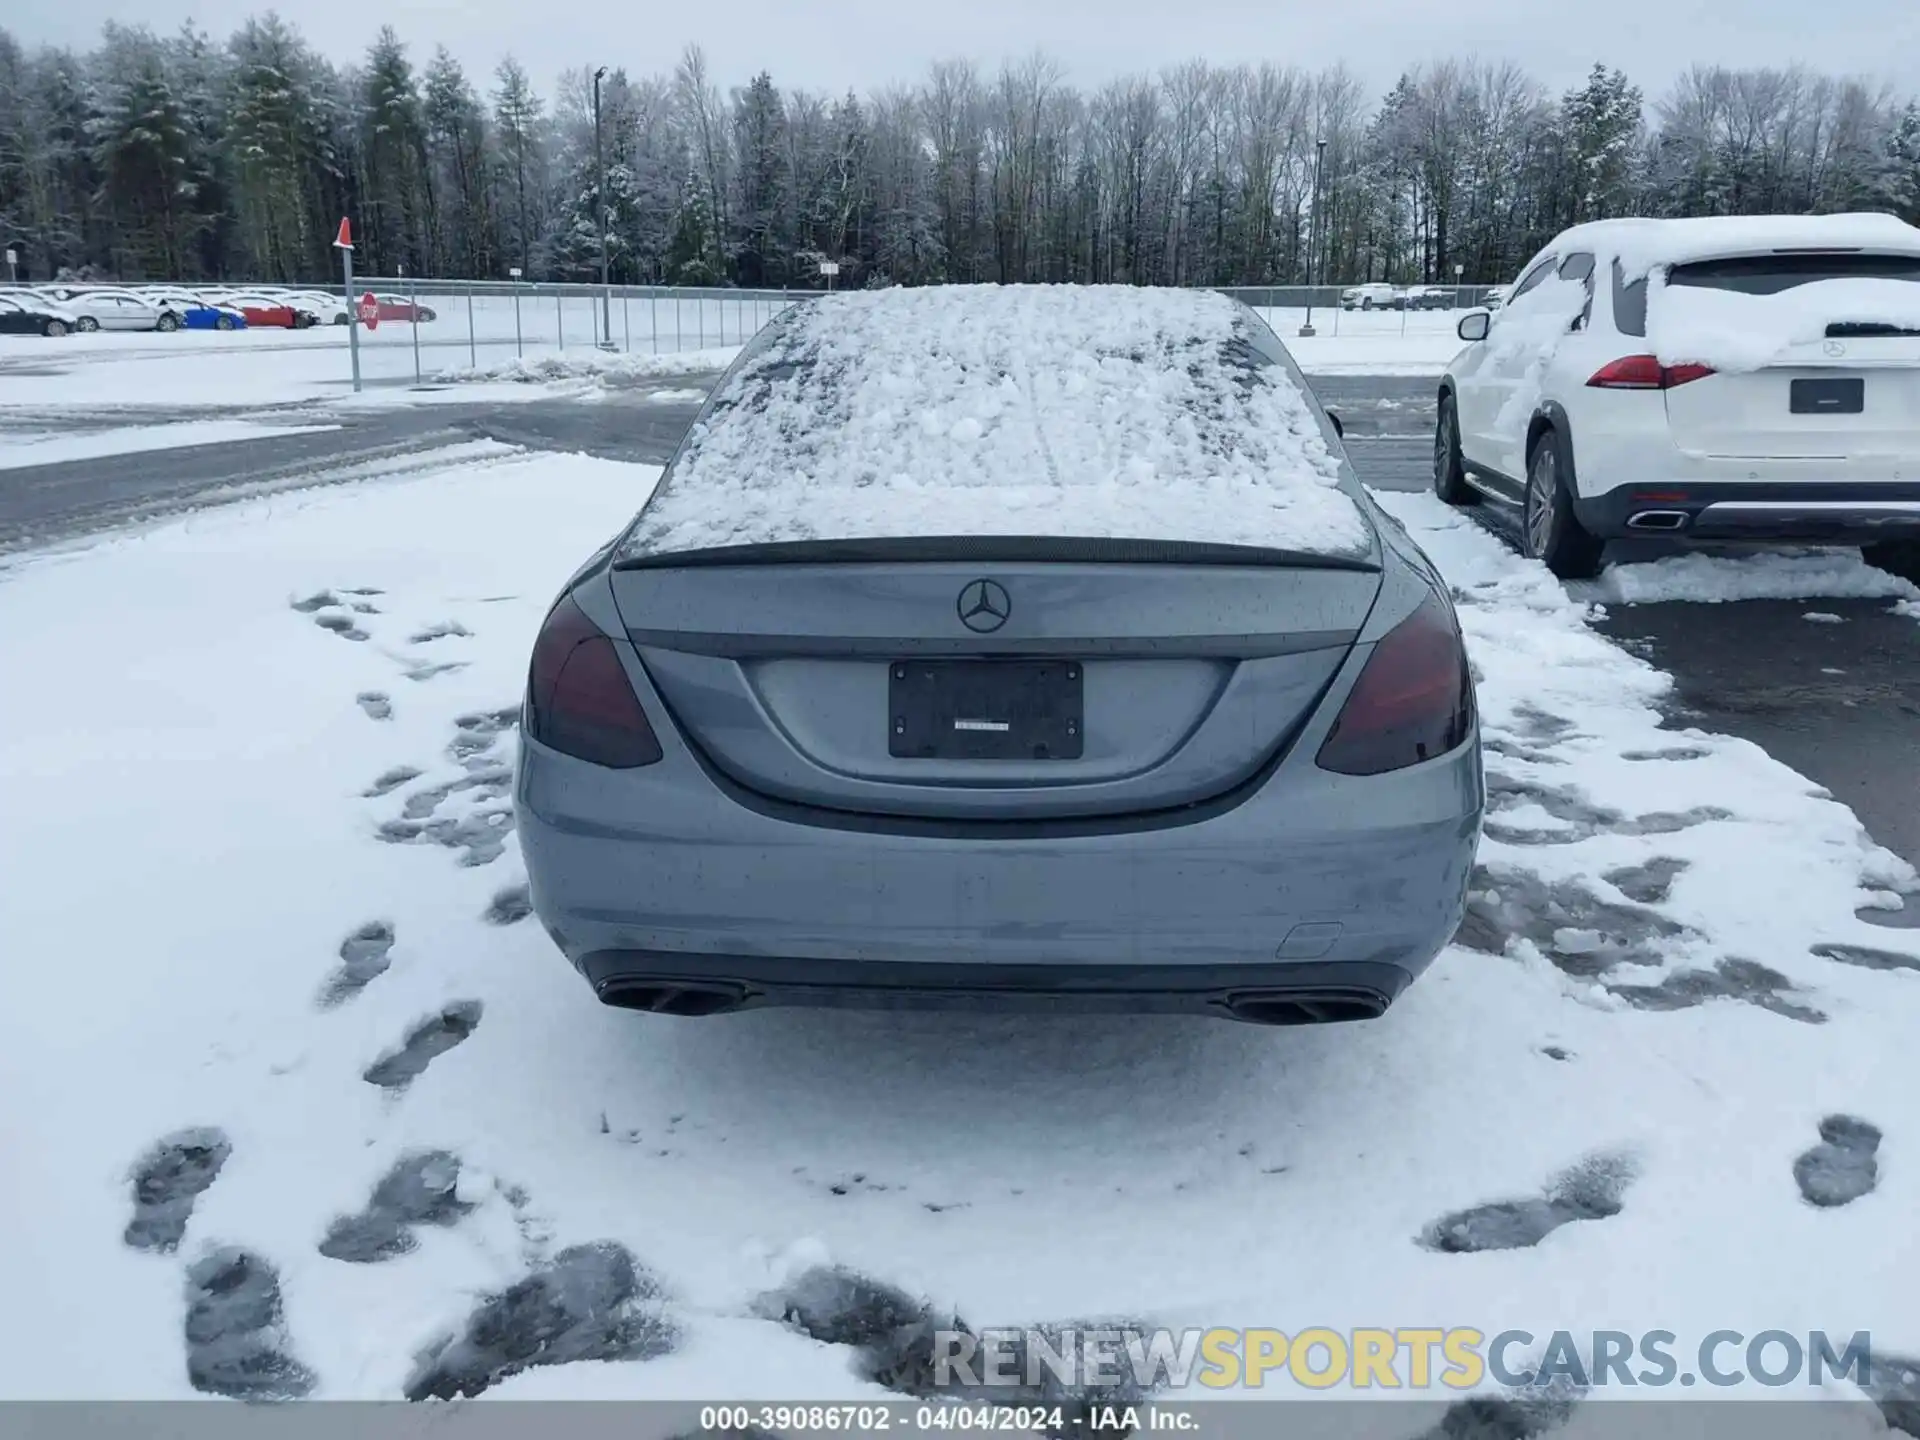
(1658, 520)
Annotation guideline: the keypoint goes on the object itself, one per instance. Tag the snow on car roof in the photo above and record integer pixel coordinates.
(1087, 412)
(1641, 244)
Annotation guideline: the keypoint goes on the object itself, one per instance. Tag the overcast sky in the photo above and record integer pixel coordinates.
(863, 44)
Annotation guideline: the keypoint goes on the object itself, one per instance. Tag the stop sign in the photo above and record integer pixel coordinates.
(369, 309)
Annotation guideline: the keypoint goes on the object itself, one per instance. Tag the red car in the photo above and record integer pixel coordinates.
(265, 311)
(399, 307)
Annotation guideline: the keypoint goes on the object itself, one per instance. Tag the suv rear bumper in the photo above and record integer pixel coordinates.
(1816, 512)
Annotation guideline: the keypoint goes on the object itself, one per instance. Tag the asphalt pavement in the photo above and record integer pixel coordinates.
(1838, 702)
(47, 504)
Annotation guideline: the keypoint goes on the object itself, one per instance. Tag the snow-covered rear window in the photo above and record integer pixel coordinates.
(1743, 313)
(1070, 412)
(1770, 274)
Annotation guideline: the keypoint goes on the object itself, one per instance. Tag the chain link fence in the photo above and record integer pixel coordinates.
(432, 327)
(494, 325)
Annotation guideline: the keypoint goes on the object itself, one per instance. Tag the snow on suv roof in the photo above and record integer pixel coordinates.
(1642, 244)
(1085, 412)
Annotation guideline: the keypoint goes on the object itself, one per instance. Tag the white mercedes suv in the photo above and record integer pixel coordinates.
(1724, 380)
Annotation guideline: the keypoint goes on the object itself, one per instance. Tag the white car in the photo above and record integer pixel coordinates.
(1495, 297)
(119, 310)
(1729, 380)
(1376, 296)
(330, 309)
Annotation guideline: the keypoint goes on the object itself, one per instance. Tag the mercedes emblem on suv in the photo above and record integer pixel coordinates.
(984, 606)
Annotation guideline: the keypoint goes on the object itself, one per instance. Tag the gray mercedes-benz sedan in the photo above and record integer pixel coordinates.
(1011, 646)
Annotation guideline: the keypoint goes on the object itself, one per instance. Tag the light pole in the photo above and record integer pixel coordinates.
(1313, 231)
(600, 202)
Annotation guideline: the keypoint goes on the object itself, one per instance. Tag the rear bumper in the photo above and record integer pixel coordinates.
(1304, 993)
(1815, 512)
(1316, 897)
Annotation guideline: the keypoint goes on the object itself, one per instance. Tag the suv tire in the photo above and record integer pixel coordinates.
(1549, 530)
(1449, 470)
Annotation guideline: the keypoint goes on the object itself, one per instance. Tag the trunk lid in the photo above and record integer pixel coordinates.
(1817, 349)
(1753, 415)
(797, 680)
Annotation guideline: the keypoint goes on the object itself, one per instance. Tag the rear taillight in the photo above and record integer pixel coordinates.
(1645, 372)
(579, 701)
(1412, 702)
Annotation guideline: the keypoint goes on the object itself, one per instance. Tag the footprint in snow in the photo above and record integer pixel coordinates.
(377, 705)
(388, 781)
(510, 906)
(1842, 1167)
(895, 1340)
(1579, 818)
(443, 630)
(1581, 934)
(1650, 882)
(236, 1330)
(1591, 1190)
(480, 832)
(421, 1189)
(168, 1180)
(364, 957)
(341, 625)
(1867, 958)
(419, 672)
(425, 1043)
(592, 1302)
(1731, 978)
(478, 734)
(1501, 1417)
(1895, 1388)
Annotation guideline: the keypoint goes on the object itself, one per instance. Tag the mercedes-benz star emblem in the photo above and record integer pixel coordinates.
(984, 606)
(1835, 349)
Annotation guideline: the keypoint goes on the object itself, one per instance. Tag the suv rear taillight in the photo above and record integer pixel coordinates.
(1645, 372)
(1412, 702)
(579, 701)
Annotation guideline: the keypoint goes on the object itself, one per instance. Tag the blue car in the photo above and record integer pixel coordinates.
(195, 313)
(209, 317)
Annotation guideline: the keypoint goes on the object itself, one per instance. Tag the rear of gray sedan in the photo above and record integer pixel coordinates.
(1004, 646)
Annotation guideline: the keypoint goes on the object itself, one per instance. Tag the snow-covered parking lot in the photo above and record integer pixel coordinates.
(311, 1107)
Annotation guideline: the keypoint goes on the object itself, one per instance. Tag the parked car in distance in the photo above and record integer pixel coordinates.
(196, 312)
(1495, 297)
(1431, 297)
(119, 310)
(269, 311)
(324, 308)
(29, 314)
(914, 730)
(1748, 379)
(1377, 295)
(328, 309)
(399, 307)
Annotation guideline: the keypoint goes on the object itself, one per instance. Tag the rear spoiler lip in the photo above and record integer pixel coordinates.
(1001, 549)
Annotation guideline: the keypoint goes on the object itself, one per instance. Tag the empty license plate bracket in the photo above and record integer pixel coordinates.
(985, 710)
(1846, 396)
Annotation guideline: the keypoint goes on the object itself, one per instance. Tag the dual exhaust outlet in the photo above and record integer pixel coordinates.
(1658, 520)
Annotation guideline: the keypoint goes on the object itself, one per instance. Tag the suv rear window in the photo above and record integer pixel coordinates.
(1758, 275)
(1770, 274)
